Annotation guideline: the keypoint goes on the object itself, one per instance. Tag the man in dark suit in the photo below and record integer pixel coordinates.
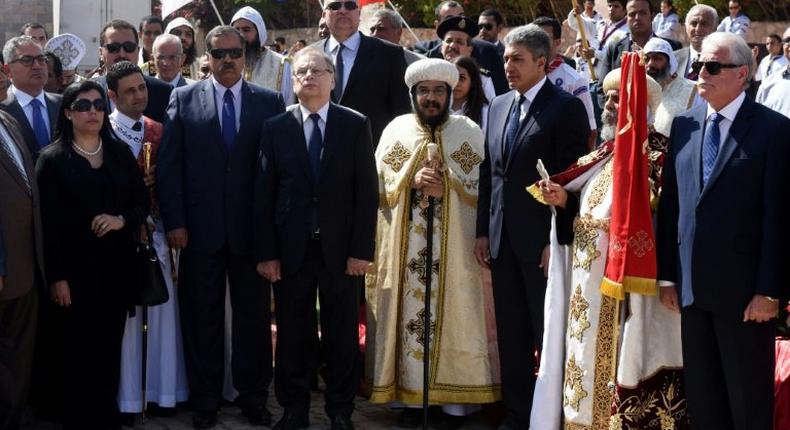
(21, 269)
(369, 71)
(722, 240)
(485, 53)
(205, 177)
(35, 110)
(119, 42)
(535, 121)
(315, 204)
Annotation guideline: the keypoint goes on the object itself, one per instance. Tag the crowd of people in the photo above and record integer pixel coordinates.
(593, 239)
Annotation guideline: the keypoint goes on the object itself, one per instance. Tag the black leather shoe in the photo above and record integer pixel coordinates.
(292, 421)
(204, 419)
(410, 418)
(257, 416)
(451, 422)
(342, 423)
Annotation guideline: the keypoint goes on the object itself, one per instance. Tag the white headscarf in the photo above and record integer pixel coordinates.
(656, 44)
(178, 22)
(254, 17)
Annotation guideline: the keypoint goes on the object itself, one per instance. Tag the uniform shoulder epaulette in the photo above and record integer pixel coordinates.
(485, 72)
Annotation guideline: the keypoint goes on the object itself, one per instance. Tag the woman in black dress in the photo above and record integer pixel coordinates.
(93, 201)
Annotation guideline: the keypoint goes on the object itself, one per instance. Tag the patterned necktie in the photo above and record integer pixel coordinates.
(691, 75)
(39, 126)
(339, 70)
(513, 123)
(5, 145)
(228, 120)
(315, 145)
(710, 146)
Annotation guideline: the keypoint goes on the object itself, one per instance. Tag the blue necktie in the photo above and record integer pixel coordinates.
(314, 146)
(710, 146)
(339, 70)
(39, 126)
(513, 124)
(228, 120)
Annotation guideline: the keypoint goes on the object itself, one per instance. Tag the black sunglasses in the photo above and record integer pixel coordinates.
(219, 53)
(336, 5)
(713, 67)
(84, 105)
(113, 48)
(488, 26)
(786, 40)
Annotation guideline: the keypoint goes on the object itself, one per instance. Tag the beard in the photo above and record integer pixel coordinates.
(608, 125)
(661, 76)
(431, 121)
(252, 51)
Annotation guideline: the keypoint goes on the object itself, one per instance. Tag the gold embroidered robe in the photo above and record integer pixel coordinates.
(463, 360)
(598, 372)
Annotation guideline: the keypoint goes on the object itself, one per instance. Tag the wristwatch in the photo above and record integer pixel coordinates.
(771, 299)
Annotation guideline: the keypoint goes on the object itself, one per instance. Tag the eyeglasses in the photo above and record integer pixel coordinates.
(302, 72)
(84, 105)
(786, 40)
(167, 58)
(488, 26)
(713, 67)
(219, 53)
(425, 92)
(28, 60)
(336, 5)
(114, 48)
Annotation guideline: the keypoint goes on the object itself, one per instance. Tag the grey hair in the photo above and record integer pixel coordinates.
(313, 50)
(10, 47)
(222, 30)
(390, 15)
(738, 51)
(532, 37)
(705, 10)
(167, 38)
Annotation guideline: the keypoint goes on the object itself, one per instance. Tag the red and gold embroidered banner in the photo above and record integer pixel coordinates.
(631, 263)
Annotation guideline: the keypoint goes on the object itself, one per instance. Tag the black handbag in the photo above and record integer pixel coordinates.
(150, 286)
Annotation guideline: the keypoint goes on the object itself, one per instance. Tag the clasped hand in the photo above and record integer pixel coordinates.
(429, 181)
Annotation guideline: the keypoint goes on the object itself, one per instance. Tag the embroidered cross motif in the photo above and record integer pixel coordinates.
(397, 156)
(640, 244)
(67, 52)
(578, 315)
(573, 383)
(417, 265)
(466, 157)
(417, 327)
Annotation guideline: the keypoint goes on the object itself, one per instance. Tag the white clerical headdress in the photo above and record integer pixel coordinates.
(178, 22)
(656, 44)
(431, 69)
(254, 17)
(654, 92)
(69, 48)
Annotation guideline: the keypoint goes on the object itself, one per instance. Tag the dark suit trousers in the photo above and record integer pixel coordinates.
(201, 294)
(294, 298)
(729, 371)
(17, 337)
(519, 289)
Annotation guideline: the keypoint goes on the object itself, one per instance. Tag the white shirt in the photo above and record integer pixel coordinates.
(24, 99)
(738, 25)
(16, 155)
(666, 26)
(219, 97)
(729, 113)
(770, 65)
(122, 125)
(351, 47)
(774, 92)
(572, 82)
(530, 96)
(307, 123)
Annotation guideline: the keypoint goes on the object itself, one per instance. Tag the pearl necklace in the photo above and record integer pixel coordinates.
(87, 153)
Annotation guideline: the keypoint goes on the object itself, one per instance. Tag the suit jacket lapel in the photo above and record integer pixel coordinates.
(211, 112)
(695, 142)
(15, 109)
(499, 116)
(364, 57)
(247, 112)
(529, 121)
(301, 148)
(332, 137)
(738, 130)
(11, 167)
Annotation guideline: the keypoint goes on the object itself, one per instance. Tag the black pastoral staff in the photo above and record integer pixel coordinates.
(205, 177)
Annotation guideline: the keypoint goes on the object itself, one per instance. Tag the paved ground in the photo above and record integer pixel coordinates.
(367, 416)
